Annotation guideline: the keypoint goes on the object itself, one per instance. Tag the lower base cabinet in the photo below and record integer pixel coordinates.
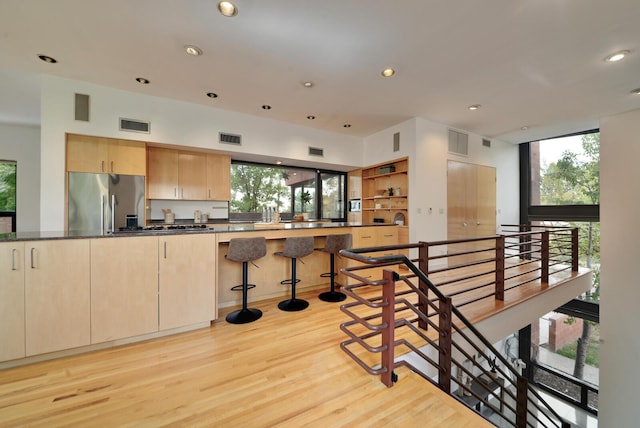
(57, 295)
(12, 334)
(187, 280)
(124, 287)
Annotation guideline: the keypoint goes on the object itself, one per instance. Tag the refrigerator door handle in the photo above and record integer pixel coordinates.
(113, 213)
(102, 214)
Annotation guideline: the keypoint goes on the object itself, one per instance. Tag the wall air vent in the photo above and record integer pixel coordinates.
(486, 143)
(82, 107)
(396, 142)
(458, 142)
(132, 125)
(314, 151)
(230, 139)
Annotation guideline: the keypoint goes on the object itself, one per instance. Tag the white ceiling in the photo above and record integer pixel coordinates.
(535, 63)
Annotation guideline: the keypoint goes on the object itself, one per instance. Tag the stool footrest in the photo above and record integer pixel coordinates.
(288, 281)
(240, 287)
(328, 275)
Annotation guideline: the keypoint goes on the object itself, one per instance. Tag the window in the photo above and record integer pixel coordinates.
(8, 173)
(292, 191)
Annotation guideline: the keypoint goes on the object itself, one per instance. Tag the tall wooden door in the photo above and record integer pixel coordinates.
(471, 201)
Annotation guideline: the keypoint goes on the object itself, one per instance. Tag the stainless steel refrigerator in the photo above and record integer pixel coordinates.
(100, 203)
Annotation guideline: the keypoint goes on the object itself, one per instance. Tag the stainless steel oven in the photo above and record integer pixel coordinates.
(355, 205)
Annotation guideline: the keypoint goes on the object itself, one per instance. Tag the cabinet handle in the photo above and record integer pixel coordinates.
(182, 193)
(366, 237)
(13, 259)
(165, 249)
(32, 258)
(209, 193)
(388, 236)
(111, 166)
(175, 192)
(101, 166)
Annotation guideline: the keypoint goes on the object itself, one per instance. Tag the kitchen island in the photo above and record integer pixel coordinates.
(64, 293)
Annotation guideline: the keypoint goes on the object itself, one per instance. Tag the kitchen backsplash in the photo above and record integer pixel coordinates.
(184, 209)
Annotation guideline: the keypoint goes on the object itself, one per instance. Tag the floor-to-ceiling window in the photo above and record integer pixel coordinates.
(8, 196)
(560, 185)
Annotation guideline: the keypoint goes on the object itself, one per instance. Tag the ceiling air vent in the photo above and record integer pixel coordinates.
(230, 139)
(132, 125)
(458, 142)
(486, 143)
(314, 151)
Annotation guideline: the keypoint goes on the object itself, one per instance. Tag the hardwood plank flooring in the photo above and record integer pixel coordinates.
(284, 370)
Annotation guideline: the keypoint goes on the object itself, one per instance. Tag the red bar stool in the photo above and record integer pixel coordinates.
(333, 245)
(295, 248)
(245, 250)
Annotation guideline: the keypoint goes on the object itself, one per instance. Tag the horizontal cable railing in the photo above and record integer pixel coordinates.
(395, 318)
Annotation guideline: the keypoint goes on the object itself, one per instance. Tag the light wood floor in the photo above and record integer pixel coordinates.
(284, 370)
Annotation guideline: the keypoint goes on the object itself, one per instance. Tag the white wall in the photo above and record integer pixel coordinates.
(22, 144)
(426, 145)
(172, 122)
(620, 291)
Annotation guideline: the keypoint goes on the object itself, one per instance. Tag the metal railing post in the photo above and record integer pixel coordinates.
(544, 257)
(522, 388)
(423, 264)
(445, 324)
(574, 250)
(500, 267)
(388, 332)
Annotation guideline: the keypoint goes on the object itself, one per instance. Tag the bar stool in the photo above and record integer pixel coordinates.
(333, 245)
(295, 248)
(245, 250)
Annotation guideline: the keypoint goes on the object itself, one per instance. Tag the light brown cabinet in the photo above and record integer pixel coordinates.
(385, 189)
(372, 236)
(105, 155)
(218, 177)
(124, 287)
(187, 280)
(175, 174)
(12, 334)
(57, 295)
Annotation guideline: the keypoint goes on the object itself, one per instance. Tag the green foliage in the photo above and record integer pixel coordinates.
(254, 186)
(593, 349)
(8, 172)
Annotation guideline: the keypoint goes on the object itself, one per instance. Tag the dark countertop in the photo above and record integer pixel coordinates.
(212, 228)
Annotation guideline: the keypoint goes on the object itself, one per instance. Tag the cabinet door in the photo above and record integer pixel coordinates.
(124, 287)
(218, 177)
(192, 176)
(127, 157)
(162, 176)
(12, 337)
(187, 280)
(56, 295)
(86, 154)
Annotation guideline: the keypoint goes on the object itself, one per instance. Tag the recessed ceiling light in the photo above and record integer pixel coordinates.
(47, 59)
(142, 80)
(212, 95)
(227, 8)
(524, 128)
(388, 72)
(347, 125)
(278, 162)
(474, 107)
(193, 50)
(266, 107)
(308, 84)
(311, 117)
(636, 91)
(616, 56)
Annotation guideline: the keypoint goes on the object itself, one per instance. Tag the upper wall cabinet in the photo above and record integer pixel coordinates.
(176, 174)
(105, 155)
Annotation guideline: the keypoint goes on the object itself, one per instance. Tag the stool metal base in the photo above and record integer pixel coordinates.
(332, 296)
(244, 316)
(293, 305)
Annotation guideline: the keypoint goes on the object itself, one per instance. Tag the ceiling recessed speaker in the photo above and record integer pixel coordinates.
(314, 151)
(225, 138)
(82, 107)
(132, 125)
(396, 142)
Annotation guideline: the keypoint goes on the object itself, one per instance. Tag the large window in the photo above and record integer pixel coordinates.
(8, 173)
(560, 185)
(292, 191)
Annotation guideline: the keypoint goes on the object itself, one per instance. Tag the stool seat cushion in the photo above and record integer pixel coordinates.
(335, 243)
(296, 247)
(246, 249)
